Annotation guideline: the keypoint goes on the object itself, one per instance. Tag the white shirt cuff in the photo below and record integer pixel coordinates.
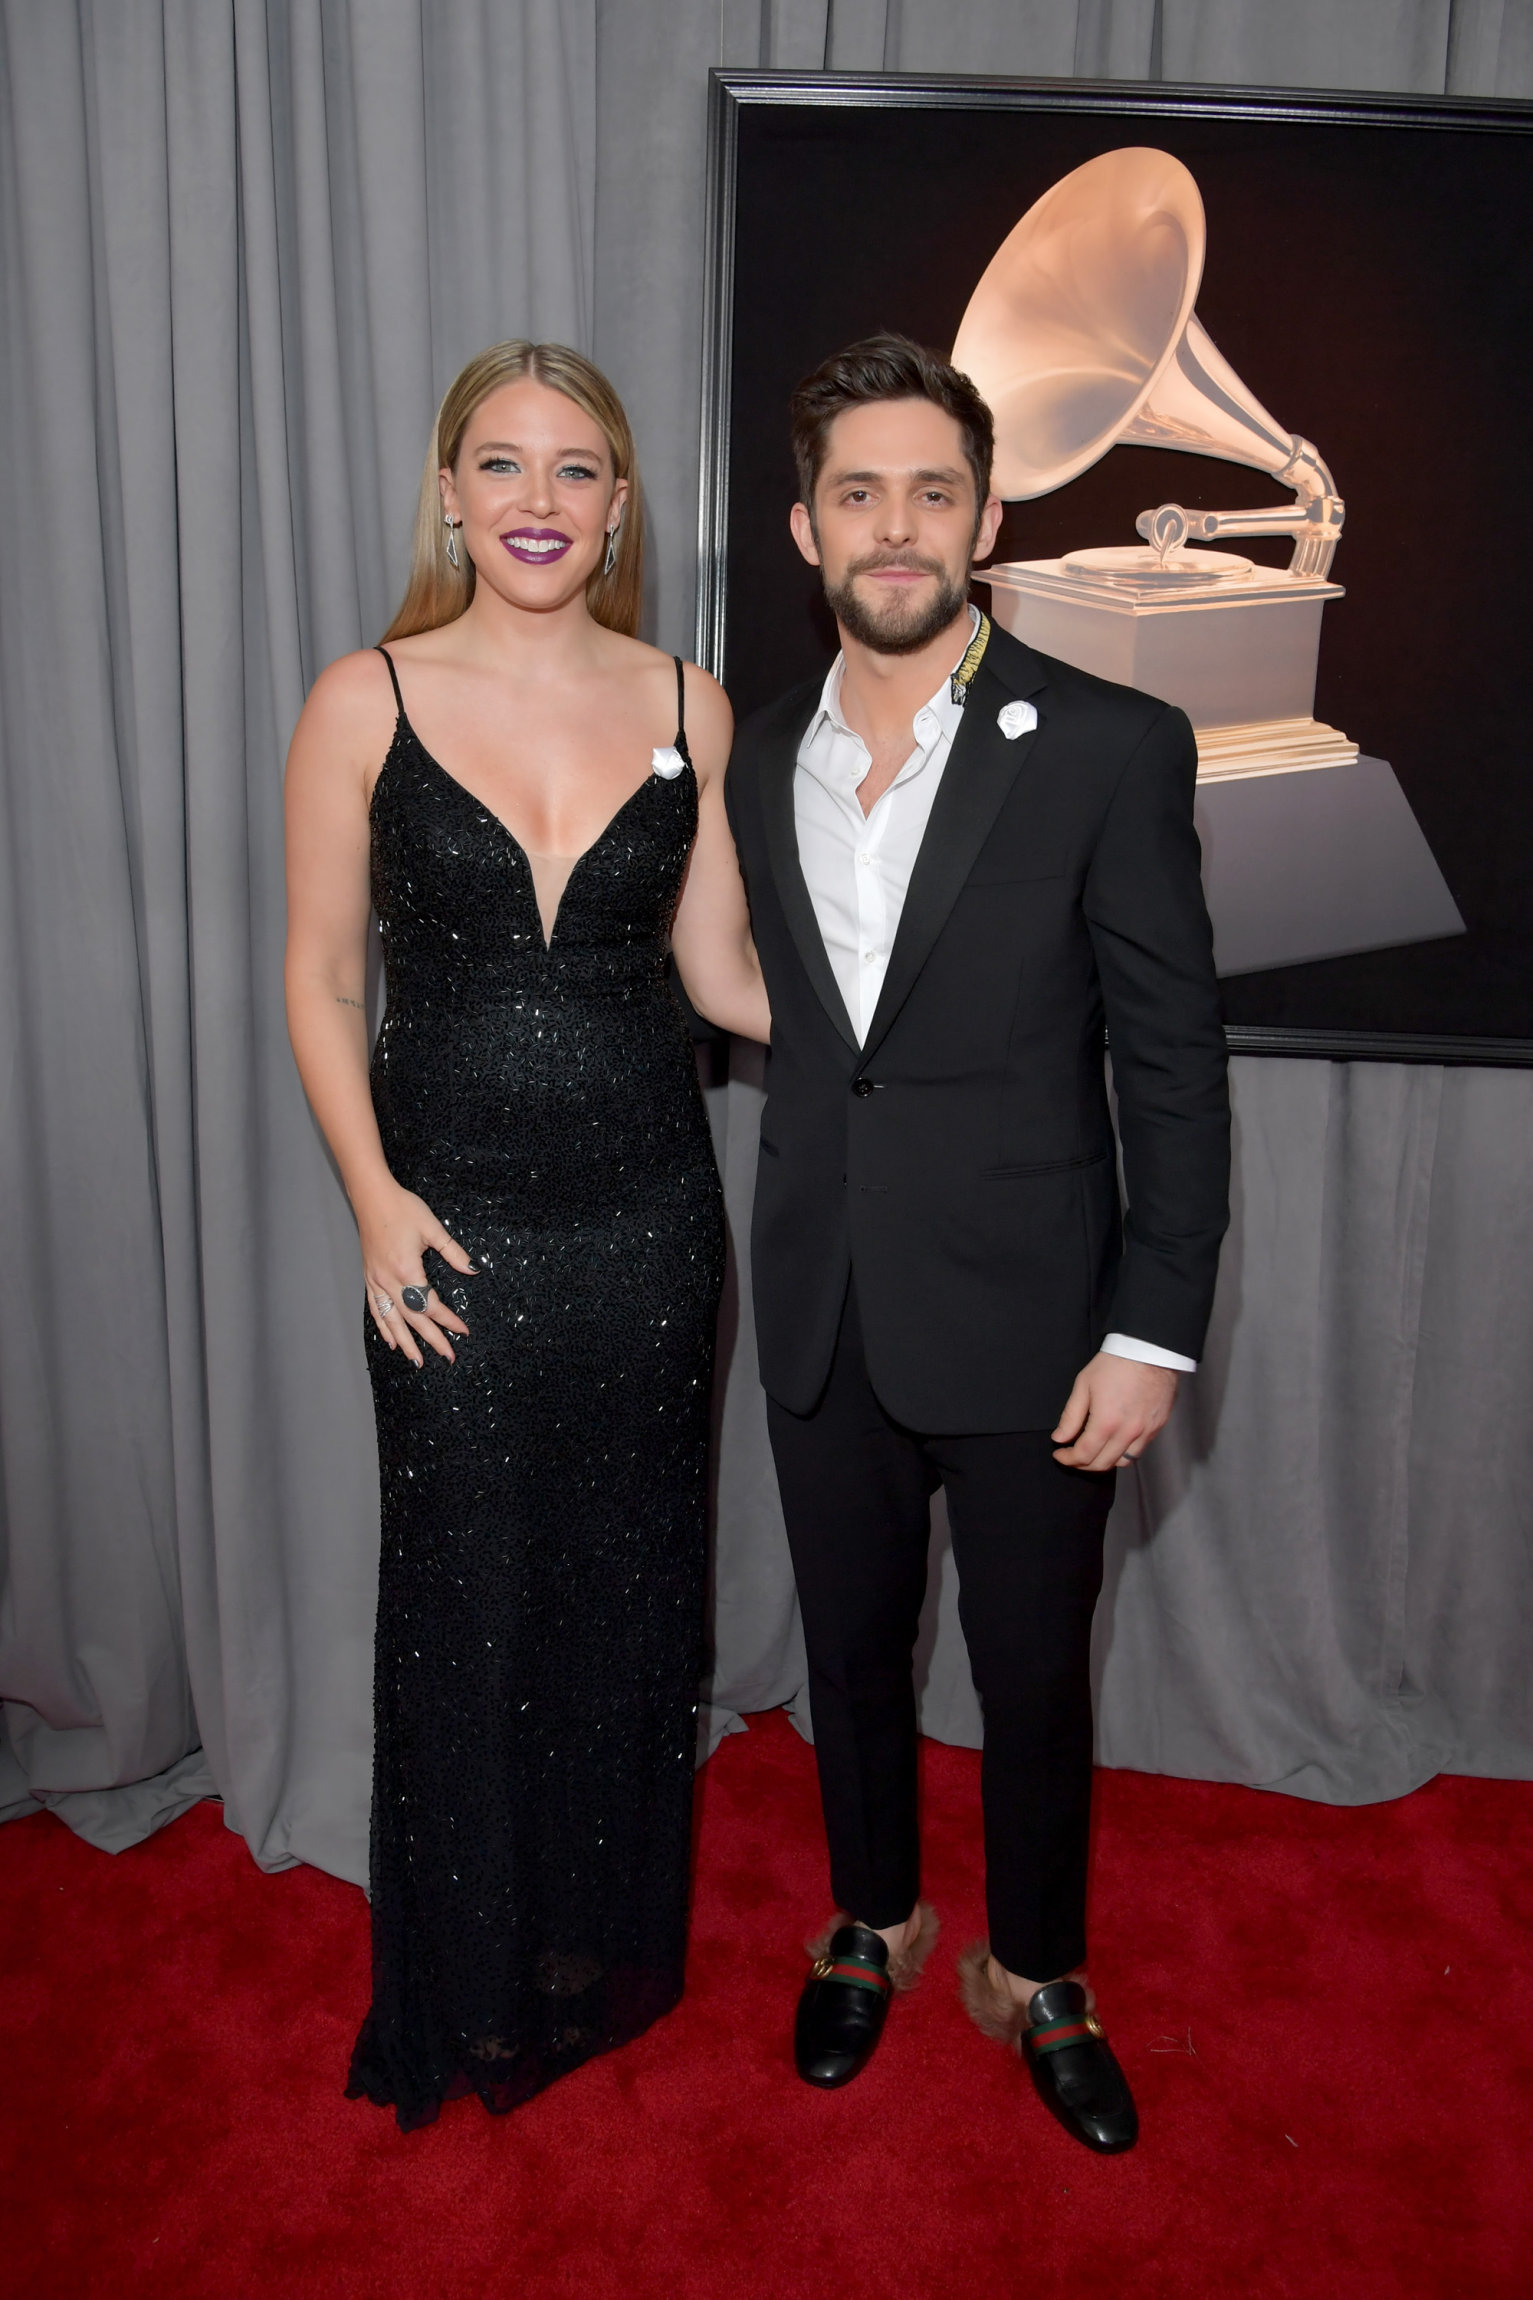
(1146, 1353)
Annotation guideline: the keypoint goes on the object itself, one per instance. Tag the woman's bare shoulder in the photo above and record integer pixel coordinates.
(350, 713)
(357, 682)
(651, 675)
(710, 720)
(634, 659)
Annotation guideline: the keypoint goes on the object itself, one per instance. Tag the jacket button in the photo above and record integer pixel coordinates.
(862, 1086)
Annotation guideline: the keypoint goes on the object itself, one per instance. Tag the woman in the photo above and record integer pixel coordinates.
(531, 800)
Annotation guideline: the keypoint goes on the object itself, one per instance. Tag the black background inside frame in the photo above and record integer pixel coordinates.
(1372, 285)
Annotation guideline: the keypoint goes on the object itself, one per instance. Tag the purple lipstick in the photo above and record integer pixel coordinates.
(536, 546)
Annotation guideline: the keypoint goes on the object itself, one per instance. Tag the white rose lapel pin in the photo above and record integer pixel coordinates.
(1015, 719)
(667, 761)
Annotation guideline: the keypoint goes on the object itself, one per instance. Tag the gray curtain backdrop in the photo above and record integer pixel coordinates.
(243, 247)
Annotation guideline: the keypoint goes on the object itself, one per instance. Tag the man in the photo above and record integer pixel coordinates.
(966, 861)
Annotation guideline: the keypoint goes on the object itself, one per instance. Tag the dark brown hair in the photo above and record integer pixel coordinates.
(887, 366)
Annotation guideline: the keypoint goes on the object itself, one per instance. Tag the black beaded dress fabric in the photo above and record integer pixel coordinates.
(539, 1636)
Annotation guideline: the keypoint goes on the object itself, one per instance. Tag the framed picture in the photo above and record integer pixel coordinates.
(1258, 363)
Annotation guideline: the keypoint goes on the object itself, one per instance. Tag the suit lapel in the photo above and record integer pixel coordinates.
(788, 874)
(981, 770)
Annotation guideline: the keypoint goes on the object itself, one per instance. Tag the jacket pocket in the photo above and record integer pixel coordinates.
(1048, 1166)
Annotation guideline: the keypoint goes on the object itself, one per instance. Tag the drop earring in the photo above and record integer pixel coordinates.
(452, 541)
(611, 559)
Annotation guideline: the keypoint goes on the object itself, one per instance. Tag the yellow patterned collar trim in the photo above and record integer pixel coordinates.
(974, 655)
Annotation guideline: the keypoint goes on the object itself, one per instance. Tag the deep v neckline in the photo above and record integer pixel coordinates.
(406, 727)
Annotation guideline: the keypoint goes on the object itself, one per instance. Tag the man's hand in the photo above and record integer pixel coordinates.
(1114, 1410)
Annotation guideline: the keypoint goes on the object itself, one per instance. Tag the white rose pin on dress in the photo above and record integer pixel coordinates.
(1013, 719)
(667, 761)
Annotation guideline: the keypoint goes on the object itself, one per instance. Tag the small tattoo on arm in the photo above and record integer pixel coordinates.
(356, 1002)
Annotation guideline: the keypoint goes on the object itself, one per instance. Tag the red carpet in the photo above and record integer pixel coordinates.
(1327, 2017)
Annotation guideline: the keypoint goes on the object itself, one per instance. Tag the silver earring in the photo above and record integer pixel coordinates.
(611, 559)
(452, 541)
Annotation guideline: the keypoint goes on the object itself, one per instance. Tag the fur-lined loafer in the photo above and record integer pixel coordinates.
(845, 2000)
(1074, 2069)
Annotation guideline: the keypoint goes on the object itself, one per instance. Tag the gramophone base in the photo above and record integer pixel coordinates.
(1232, 653)
(1270, 747)
(1300, 867)
(1297, 864)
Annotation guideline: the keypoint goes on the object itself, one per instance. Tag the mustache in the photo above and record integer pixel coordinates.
(910, 561)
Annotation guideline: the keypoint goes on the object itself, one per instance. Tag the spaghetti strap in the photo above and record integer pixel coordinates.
(681, 710)
(394, 677)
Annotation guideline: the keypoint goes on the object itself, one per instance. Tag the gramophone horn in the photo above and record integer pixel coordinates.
(1081, 335)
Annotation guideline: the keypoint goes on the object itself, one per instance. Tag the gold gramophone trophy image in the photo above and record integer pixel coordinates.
(1082, 335)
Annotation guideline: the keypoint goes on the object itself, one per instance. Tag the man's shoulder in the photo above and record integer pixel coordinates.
(765, 730)
(1113, 710)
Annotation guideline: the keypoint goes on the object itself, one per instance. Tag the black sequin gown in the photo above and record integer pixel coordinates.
(541, 1582)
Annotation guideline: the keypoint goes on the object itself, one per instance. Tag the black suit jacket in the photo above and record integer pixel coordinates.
(962, 1162)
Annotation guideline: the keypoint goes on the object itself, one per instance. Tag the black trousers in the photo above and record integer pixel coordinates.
(1027, 1540)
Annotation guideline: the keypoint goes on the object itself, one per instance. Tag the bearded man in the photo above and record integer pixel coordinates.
(969, 866)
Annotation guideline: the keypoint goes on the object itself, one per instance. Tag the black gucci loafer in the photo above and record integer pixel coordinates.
(842, 2009)
(1074, 2070)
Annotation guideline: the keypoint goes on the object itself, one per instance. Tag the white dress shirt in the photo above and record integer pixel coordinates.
(857, 867)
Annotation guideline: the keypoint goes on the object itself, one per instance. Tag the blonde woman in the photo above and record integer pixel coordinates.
(530, 799)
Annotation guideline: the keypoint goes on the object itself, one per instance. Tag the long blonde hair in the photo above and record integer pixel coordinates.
(438, 592)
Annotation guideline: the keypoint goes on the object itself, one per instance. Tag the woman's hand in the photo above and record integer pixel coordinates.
(396, 1227)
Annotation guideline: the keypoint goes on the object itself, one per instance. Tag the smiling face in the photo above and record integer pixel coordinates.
(895, 527)
(535, 490)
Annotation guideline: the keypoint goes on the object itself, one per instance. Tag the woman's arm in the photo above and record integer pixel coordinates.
(711, 933)
(343, 730)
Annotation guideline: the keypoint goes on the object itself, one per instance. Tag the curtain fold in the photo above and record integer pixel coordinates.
(244, 244)
(242, 258)
(94, 1666)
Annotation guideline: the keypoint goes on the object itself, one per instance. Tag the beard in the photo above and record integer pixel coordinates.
(901, 626)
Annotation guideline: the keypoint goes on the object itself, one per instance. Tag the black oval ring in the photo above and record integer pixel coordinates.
(414, 1297)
